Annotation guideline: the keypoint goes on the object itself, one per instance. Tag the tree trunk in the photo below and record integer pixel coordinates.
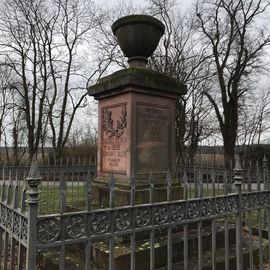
(58, 154)
(229, 134)
(228, 153)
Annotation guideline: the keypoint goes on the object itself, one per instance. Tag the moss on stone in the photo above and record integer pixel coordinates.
(151, 81)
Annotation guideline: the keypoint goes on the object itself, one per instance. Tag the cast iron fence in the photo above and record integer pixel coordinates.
(182, 234)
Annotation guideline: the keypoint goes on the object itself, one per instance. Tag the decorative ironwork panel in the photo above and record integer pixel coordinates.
(193, 209)
(100, 222)
(220, 205)
(48, 230)
(76, 226)
(142, 216)
(161, 214)
(17, 224)
(254, 200)
(245, 201)
(178, 212)
(207, 208)
(9, 219)
(123, 219)
(3, 215)
(24, 227)
(265, 199)
(232, 202)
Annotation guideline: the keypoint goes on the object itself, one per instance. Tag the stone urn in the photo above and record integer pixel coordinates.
(138, 37)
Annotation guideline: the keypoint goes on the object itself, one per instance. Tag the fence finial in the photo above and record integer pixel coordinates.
(213, 176)
(3, 174)
(185, 178)
(225, 177)
(88, 182)
(33, 180)
(238, 178)
(9, 189)
(33, 171)
(151, 179)
(88, 187)
(3, 187)
(265, 161)
(10, 177)
(265, 173)
(200, 184)
(169, 178)
(152, 187)
(169, 186)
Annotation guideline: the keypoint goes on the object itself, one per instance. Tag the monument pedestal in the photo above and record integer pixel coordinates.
(136, 123)
(136, 133)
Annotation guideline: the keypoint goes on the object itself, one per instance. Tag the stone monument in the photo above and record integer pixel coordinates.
(136, 115)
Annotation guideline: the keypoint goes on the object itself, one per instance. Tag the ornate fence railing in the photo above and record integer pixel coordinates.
(228, 231)
(13, 225)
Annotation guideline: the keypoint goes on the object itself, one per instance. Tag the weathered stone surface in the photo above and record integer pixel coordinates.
(136, 132)
(138, 37)
(153, 137)
(101, 193)
(136, 80)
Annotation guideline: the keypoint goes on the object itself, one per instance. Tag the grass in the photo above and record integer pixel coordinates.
(73, 198)
(50, 198)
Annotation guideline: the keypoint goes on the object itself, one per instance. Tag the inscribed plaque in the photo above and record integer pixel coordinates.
(114, 142)
(153, 136)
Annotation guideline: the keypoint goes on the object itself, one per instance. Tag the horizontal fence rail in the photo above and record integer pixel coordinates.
(49, 169)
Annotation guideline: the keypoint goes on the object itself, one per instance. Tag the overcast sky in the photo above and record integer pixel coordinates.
(183, 4)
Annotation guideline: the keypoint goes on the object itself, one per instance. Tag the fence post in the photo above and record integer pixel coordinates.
(238, 179)
(169, 230)
(112, 239)
(33, 181)
(265, 173)
(132, 235)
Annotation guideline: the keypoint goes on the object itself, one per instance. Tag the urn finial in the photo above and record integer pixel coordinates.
(138, 37)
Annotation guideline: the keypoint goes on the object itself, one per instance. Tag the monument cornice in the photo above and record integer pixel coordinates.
(137, 80)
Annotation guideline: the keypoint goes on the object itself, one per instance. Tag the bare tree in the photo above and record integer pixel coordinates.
(254, 118)
(177, 57)
(20, 36)
(236, 37)
(77, 21)
(43, 42)
(5, 94)
(6, 100)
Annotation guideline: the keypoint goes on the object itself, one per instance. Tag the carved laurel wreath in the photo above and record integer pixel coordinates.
(108, 124)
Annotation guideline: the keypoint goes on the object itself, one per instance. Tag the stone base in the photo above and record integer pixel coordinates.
(75, 253)
(101, 192)
(100, 252)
